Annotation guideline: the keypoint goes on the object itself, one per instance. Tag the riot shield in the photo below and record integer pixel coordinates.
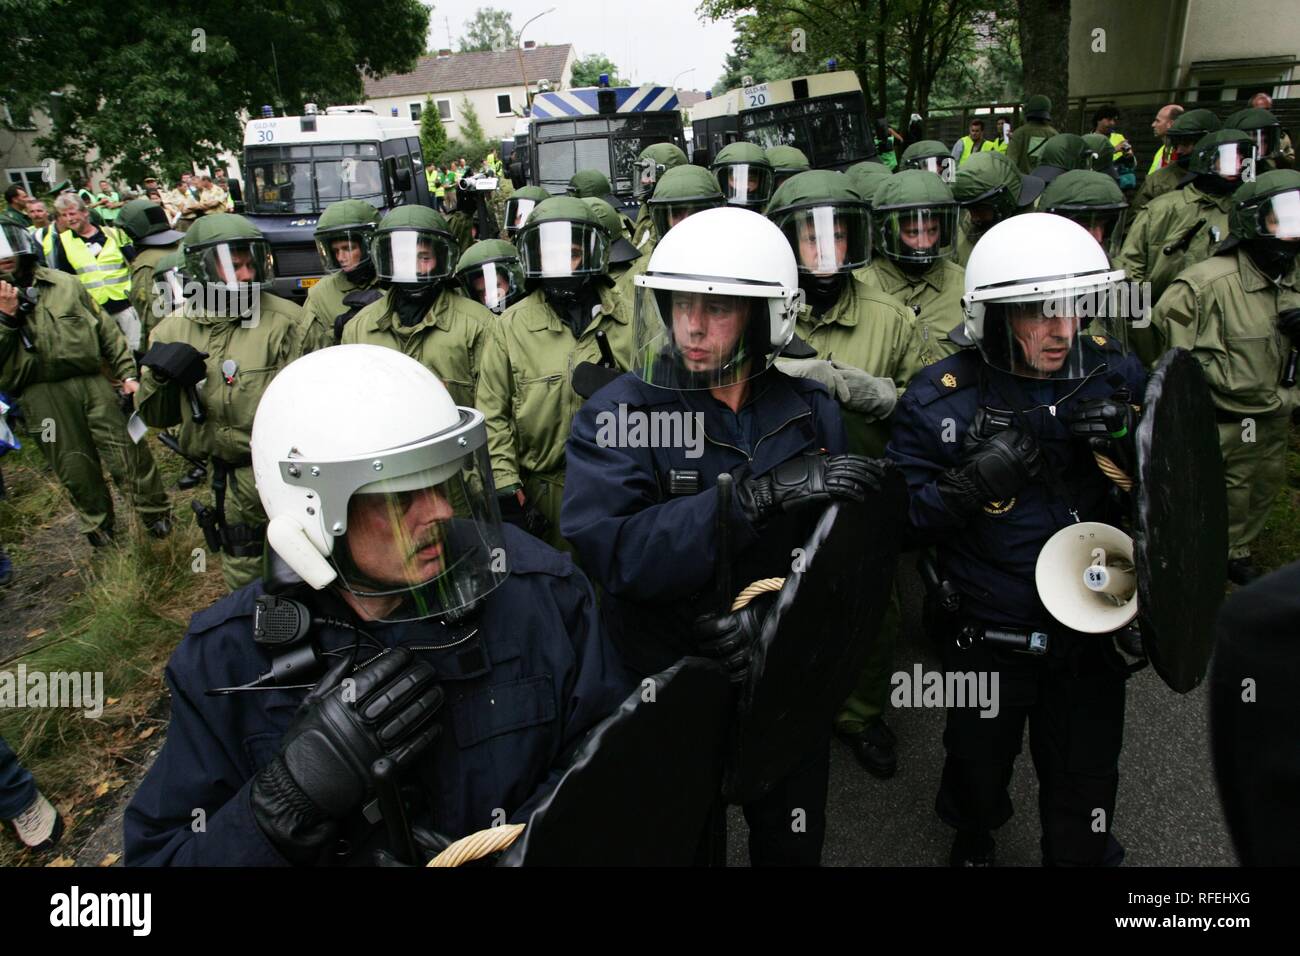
(639, 789)
(1180, 534)
(815, 639)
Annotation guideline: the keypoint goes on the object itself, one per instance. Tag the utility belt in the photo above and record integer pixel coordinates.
(236, 540)
(944, 619)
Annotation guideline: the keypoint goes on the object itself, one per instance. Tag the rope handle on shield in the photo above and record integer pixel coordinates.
(726, 487)
(478, 845)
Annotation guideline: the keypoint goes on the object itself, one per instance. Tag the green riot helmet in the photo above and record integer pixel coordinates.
(1265, 219)
(1093, 200)
(990, 188)
(931, 156)
(227, 251)
(168, 284)
(744, 175)
(1099, 154)
(563, 240)
(520, 205)
(825, 221)
(621, 252)
(1038, 107)
(681, 192)
(655, 160)
(786, 161)
(1261, 126)
(413, 248)
(18, 254)
(914, 218)
(146, 223)
(490, 272)
(866, 177)
(1228, 155)
(343, 234)
(589, 182)
(1062, 153)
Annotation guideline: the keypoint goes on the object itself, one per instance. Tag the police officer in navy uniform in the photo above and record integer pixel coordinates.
(468, 654)
(717, 303)
(997, 445)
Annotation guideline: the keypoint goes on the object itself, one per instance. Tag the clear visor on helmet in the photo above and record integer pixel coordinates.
(1279, 216)
(517, 211)
(917, 235)
(1266, 141)
(557, 250)
(343, 250)
(494, 284)
(745, 184)
(413, 256)
(1064, 336)
(984, 212)
(237, 264)
(1104, 225)
(942, 166)
(667, 213)
(647, 174)
(422, 542)
(1230, 161)
(168, 293)
(14, 241)
(698, 340)
(828, 239)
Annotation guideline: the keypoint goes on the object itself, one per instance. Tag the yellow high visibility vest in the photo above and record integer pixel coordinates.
(1115, 140)
(1158, 160)
(968, 146)
(106, 276)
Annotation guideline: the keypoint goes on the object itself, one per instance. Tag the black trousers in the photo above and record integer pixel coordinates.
(1073, 701)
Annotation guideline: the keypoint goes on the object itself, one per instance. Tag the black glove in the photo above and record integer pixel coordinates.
(322, 772)
(730, 638)
(1108, 425)
(428, 843)
(993, 470)
(176, 362)
(1288, 322)
(523, 516)
(809, 480)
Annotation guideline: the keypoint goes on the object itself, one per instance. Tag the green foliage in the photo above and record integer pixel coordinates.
(153, 100)
(587, 70)
(433, 137)
(490, 29)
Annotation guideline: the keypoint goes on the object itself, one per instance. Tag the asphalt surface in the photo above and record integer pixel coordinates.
(1167, 812)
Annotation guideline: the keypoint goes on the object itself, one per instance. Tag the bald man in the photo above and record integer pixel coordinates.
(1159, 126)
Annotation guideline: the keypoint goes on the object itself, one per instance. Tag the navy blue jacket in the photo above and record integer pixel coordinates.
(519, 695)
(653, 553)
(990, 557)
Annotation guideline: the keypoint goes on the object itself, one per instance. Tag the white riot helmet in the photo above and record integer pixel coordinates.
(717, 302)
(1042, 301)
(397, 506)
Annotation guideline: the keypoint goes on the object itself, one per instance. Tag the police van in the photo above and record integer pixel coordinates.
(603, 128)
(295, 166)
(824, 115)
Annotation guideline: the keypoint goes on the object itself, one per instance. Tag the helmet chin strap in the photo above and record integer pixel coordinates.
(913, 267)
(823, 291)
(1274, 257)
(413, 301)
(362, 273)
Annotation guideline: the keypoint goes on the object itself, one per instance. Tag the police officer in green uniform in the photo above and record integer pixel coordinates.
(343, 235)
(526, 381)
(866, 177)
(520, 205)
(490, 273)
(989, 189)
(931, 156)
(680, 192)
(54, 339)
(154, 239)
(1094, 201)
(914, 225)
(744, 175)
(1264, 130)
(1029, 138)
(1183, 227)
(233, 338)
(419, 313)
(1238, 312)
(867, 349)
(622, 254)
(1061, 153)
(786, 161)
(1180, 138)
(655, 160)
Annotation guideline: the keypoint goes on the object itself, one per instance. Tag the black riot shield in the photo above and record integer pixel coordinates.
(639, 789)
(1180, 538)
(815, 639)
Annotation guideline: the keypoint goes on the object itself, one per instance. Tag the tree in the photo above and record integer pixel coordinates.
(760, 60)
(433, 137)
(151, 101)
(490, 29)
(1045, 51)
(473, 143)
(587, 70)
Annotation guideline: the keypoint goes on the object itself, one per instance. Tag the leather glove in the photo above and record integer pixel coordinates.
(428, 843)
(809, 480)
(729, 638)
(1288, 321)
(993, 470)
(523, 514)
(322, 772)
(1108, 425)
(176, 362)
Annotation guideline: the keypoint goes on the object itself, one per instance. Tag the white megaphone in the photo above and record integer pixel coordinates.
(1086, 577)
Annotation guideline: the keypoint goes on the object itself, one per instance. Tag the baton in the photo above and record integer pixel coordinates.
(1289, 373)
(722, 553)
(390, 805)
(196, 407)
(174, 445)
(1186, 240)
(606, 353)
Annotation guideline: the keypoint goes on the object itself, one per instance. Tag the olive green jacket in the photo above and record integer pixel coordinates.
(71, 335)
(261, 348)
(874, 332)
(325, 302)
(1163, 180)
(1224, 310)
(934, 298)
(448, 341)
(1027, 142)
(141, 295)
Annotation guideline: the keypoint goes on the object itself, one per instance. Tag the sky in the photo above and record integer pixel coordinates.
(649, 40)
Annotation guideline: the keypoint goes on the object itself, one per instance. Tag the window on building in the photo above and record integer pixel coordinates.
(503, 104)
(444, 110)
(28, 178)
(416, 109)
